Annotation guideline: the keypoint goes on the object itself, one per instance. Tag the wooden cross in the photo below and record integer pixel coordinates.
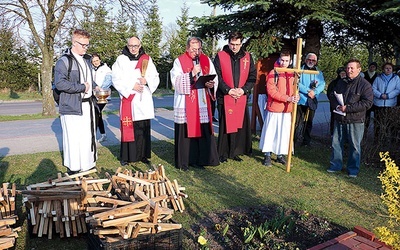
(298, 71)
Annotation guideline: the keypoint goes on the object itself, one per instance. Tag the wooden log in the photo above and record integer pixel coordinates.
(65, 218)
(8, 221)
(104, 231)
(134, 179)
(136, 231)
(112, 201)
(84, 194)
(42, 211)
(12, 198)
(105, 215)
(5, 230)
(72, 218)
(125, 220)
(7, 243)
(37, 217)
(168, 226)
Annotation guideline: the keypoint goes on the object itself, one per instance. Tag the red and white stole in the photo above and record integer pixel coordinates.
(192, 100)
(126, 119)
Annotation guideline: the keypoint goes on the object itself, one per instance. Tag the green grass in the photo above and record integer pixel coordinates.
(308, 187)
(9, 95)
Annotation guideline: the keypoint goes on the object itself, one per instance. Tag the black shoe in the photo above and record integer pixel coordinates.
(237, 158)
(145, 160)
(124, 163)
(267, 161)
(184, 168)
(70, 172)
(223, 159)
(196, 166)
(281, 159)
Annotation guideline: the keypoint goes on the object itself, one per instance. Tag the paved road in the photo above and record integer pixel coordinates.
(45, 135)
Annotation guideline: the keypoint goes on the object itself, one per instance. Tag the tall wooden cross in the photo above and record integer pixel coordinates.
(298, 71)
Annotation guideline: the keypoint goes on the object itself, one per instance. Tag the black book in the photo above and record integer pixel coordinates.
(202, 80)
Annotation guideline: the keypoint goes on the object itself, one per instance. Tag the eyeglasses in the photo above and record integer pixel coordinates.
(85, 46)
(134, 46)
(312, 60)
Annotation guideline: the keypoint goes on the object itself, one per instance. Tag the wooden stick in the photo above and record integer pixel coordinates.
(125, 220)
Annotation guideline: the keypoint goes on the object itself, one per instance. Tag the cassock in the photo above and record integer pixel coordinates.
(136, 108)
(194, 137)
(234, 71)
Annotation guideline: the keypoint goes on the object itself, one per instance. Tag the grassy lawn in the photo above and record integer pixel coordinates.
(347, 202)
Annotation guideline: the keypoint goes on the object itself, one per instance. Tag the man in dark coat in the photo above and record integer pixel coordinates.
(236, 77)
(351, 97)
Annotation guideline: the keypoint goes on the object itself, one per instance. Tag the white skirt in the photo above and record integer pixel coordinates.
(77, 140)
(275, 133)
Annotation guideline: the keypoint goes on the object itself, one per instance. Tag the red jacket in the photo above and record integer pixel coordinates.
(279, 88)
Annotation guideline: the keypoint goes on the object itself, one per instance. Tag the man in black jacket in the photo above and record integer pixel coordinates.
(351, 97)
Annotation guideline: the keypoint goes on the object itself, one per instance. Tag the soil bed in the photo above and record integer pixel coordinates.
(280, 229)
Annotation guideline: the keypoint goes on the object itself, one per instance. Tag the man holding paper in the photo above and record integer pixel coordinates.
(195, 83)
(135, 77)
(351, 97)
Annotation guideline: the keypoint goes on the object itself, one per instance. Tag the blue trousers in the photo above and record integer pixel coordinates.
(352, 134)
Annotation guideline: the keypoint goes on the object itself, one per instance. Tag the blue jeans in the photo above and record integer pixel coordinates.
(352, 134)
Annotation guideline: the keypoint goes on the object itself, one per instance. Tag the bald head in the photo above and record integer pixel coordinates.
(134, 45)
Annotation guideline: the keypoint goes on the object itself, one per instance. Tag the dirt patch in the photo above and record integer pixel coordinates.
(264, 227)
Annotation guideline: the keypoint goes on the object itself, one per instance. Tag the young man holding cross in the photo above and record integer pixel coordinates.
(275, 135)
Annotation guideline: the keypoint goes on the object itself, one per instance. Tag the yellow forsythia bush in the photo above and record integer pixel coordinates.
(390, 179)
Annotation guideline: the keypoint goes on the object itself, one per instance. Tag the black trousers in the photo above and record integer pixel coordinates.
(201, 151)
(303, 127)
(141, 147)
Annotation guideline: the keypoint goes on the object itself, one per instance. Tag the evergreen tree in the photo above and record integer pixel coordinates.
(108, 37)
(177, 44)
(152, 32)
(17, 72)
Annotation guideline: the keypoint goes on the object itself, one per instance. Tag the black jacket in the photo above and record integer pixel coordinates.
(358, 98)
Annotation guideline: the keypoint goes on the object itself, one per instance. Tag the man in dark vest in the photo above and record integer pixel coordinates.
(236, 77)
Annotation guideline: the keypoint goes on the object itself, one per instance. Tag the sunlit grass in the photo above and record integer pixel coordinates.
(339, 199)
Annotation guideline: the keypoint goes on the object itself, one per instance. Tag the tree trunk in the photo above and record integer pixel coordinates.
(46, 71)
(314, 32)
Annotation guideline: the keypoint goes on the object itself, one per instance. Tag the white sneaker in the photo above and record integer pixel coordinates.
(103, 138)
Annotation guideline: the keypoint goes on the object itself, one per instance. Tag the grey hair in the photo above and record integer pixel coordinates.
(311, 54)
(194, 38)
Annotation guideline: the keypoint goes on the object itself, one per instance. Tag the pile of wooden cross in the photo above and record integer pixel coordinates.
(121, 206)
(8, 216)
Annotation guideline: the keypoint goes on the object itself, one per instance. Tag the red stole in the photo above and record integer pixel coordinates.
(234, 108)
(126, 119)
(192, 100)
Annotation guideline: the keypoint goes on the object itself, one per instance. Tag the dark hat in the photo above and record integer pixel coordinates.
(340, 69)
(373, 63)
